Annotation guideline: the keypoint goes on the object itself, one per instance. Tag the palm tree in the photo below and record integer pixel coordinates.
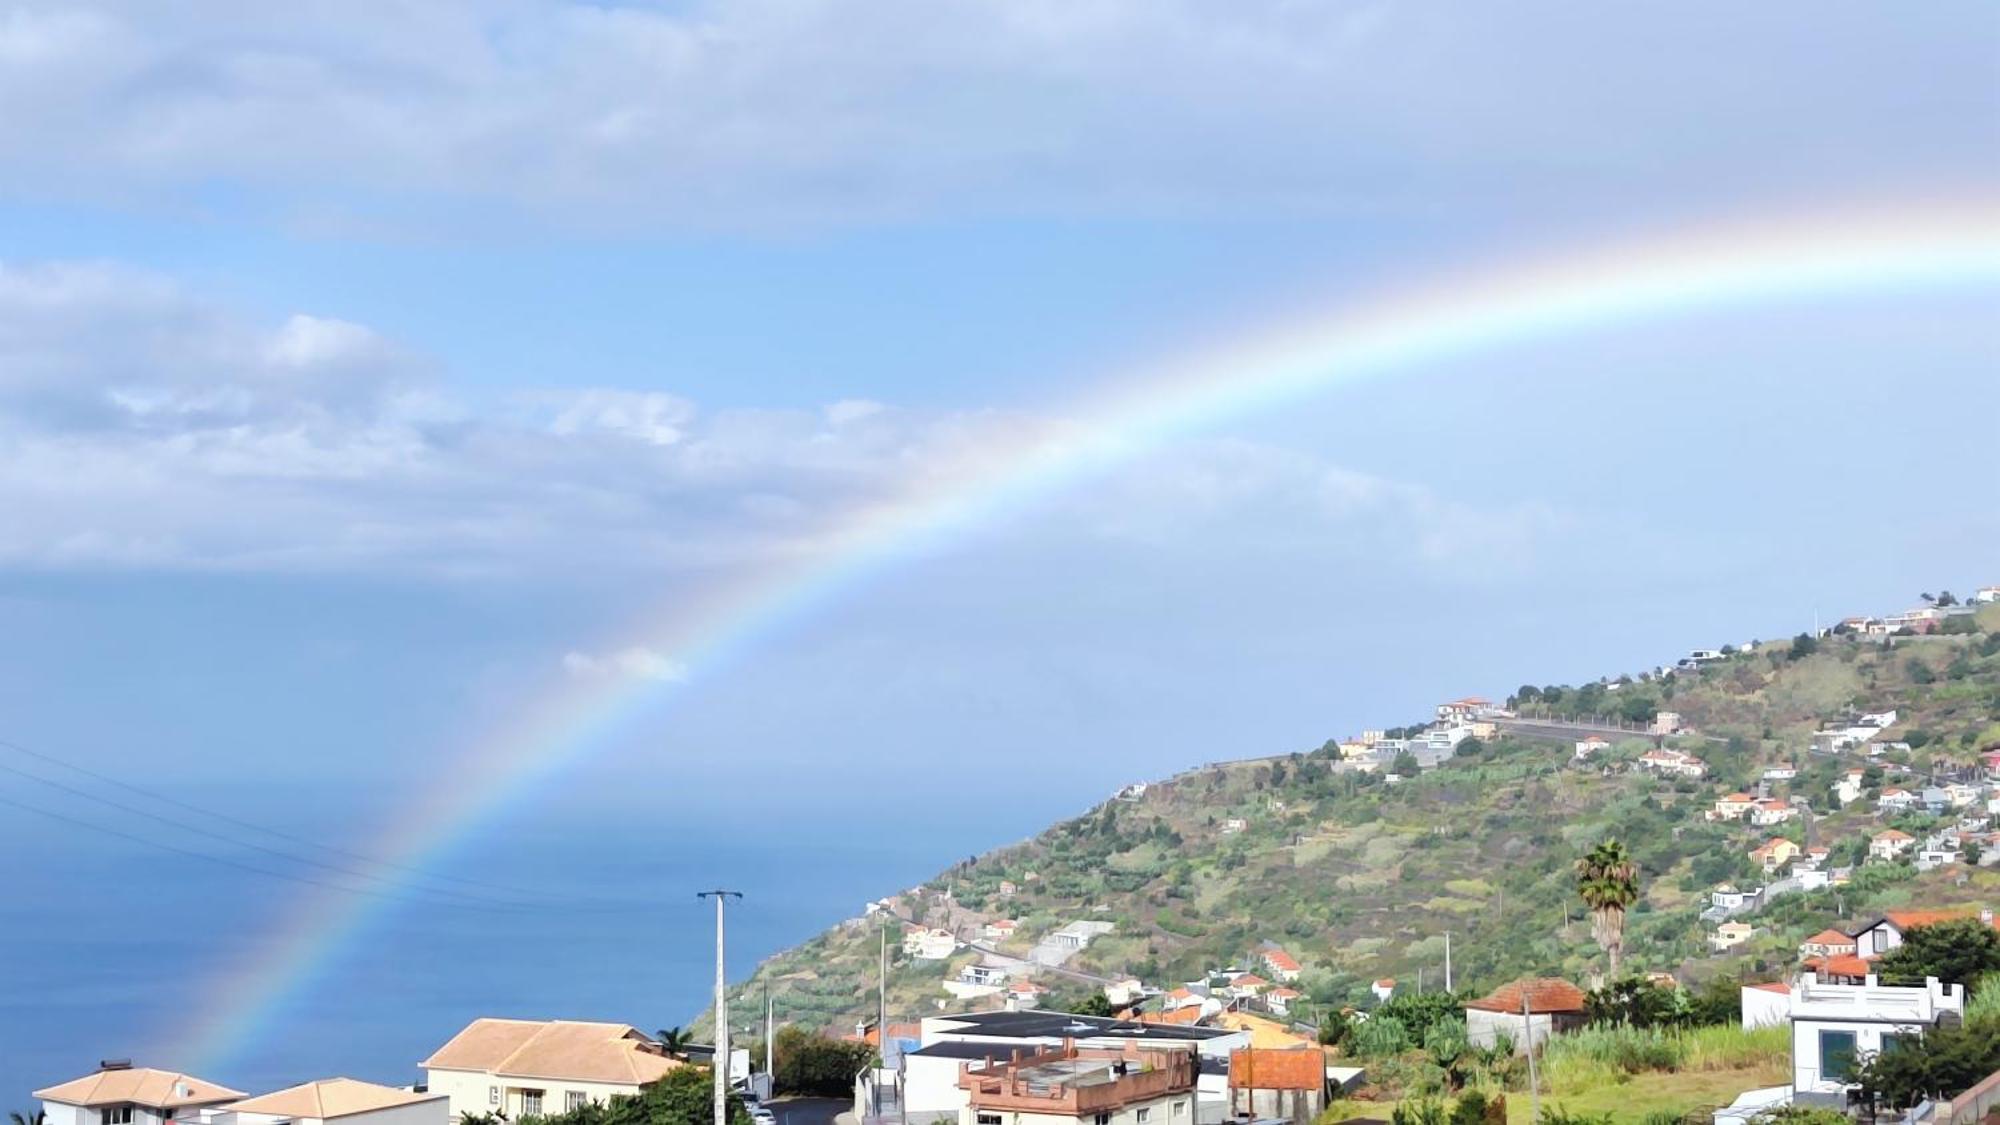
(674, 1041)
(1608, 881)
(39, 1117)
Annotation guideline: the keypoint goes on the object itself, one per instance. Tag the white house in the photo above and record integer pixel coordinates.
(1729, 897)
(1280, 964)
(1464, 710)
(1834, 1026)
(1383, 989)
(349, 1101)
(1000, 929)
(1780, 773)
(1590, 744)
(1890, 843)
(1984, 595)
(1847, 790)
(1729, 935)
(122, 1094)
(542, 1066)
(1766, 1005)
(1672, 763)
(1772, 811)
(1666, 722)
(1896, 800)
(929, 944)
(1887, 932)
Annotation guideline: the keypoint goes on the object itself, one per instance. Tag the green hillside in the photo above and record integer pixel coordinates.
(1360, 876)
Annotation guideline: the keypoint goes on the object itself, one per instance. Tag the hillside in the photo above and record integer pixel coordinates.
(1360, 874)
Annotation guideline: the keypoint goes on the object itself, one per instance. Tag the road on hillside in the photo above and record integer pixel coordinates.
(808, 1111)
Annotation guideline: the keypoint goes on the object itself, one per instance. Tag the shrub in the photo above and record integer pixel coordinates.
(1379, 1036)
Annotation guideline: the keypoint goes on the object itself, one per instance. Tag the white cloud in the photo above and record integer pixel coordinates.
(631, 664)
(145, 428)
(777, 110)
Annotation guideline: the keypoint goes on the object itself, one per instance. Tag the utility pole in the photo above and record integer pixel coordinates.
(721, 1063)
(1534, 1083)
(881, 1015)
(770, 1032)
(1447, 960)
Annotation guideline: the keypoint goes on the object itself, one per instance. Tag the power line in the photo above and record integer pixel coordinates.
(222, 816)
(429, 895)
(225, 862)
(198, 830)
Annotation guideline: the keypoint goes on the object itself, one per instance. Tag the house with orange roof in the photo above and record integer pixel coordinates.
(1464, 710)
(1000, 929)
(524, 1067)
(1890, 843)
(122, 1094)
(1245, 985)
(1826, 943)
(1774, 853)
(1526, 1011)
(1888, 931)
(1280, 964)
(349, 1101)
(1590, 744)
(1773, 811)
(1735, 806)
(1281, 999)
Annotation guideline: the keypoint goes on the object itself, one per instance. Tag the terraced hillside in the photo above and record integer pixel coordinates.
(1361, 875)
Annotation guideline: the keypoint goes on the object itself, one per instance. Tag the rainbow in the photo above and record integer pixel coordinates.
(1914, 247)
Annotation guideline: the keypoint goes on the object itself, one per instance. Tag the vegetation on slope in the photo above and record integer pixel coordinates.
(1361, 877)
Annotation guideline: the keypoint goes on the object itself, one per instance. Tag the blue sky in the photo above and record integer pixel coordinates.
(369, 370)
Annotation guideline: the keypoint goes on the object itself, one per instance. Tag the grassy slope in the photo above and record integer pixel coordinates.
(1360, 879)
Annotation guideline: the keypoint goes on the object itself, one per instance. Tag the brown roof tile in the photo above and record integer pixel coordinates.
(158, 1089)
(329, 1098)
(1545, 994)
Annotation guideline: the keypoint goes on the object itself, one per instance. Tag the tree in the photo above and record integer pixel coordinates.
(1094, 1004)
(1942, 1064)
(806, 1063)
(1637, 1002)
(1469, 748)
(1960, 951)
(675, 1041)
(1405, 764)
(38, 1117)
(1608, 882)
(1803, 645)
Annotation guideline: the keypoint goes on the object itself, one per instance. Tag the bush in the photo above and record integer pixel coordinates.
(1943, 1063)
(1379, 1036)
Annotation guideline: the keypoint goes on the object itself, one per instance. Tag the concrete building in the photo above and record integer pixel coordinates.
(522, 1067)
(1834, 1026)
(122, 1094)
(349, 1101)
(1071, 1085)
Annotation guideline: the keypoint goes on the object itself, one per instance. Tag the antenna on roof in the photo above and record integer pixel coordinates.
(114, 1064)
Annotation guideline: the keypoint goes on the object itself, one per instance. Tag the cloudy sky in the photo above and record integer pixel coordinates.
(370, 371)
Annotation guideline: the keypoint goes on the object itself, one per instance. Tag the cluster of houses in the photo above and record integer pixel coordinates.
(507, 1067)
(1928, 618)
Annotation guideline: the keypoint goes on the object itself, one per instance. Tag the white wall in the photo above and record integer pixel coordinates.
(469, 1091)
(1764, 1008)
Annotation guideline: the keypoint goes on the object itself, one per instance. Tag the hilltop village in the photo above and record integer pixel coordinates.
(1759, 876)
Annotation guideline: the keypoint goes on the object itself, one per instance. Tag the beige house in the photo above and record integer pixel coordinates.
(128, 1095)
(349, 1101)
(522, 1067)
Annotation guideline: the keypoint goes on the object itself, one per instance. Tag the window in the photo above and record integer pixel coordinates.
(1836, 1054)
(117, 1115)
(1103, 1119)
(989, 1119)
(574, 1099)
(531, 1102)
(492, 1095)
(1178, 1110)
(1144, 1115)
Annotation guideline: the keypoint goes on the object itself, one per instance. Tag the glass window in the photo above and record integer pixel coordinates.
(1103, 1119)
(117, 1115)
(531, 1102)
(989, 1119)
(492, 1095)
(574, 1099)
(1836, 1054)
(1144, 1115)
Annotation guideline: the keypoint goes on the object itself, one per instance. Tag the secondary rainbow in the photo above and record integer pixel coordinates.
(1915, 247)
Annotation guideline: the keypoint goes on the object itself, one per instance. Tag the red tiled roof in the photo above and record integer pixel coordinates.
(1268, 1068)
(1911, 919)
(1178, 1015)
(1777, 986)
(1829, 937)
(1544, 994)
(1840, 965)
(1280, 960)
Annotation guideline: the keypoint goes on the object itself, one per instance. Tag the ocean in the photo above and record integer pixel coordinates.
(112, 950)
